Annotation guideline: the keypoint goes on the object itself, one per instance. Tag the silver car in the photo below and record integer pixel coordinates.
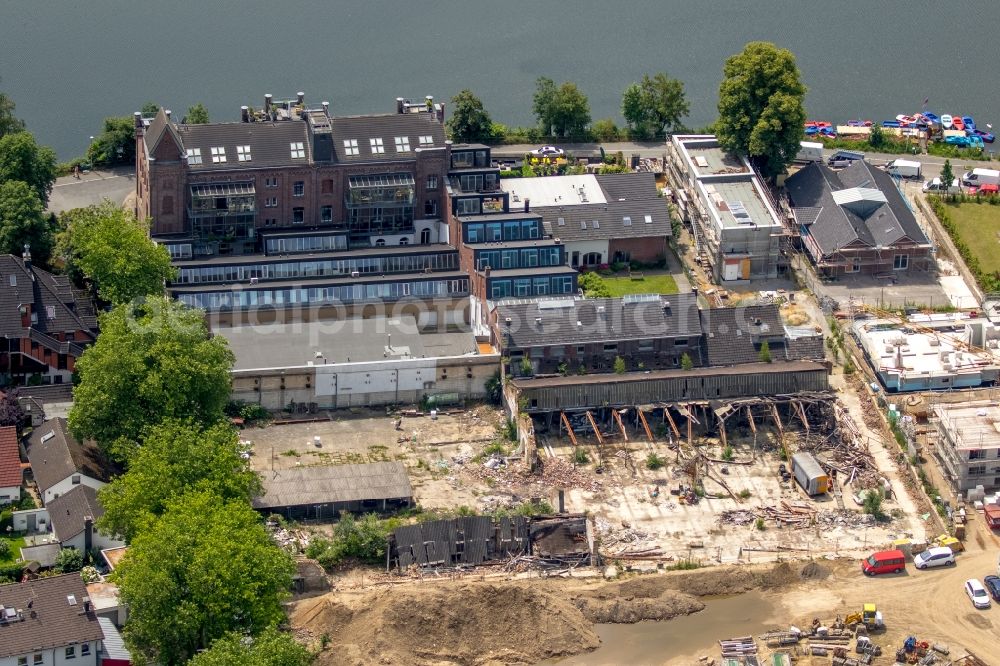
(977, 593)
(938, 556)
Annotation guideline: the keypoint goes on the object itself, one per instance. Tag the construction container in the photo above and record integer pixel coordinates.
(992, 513)
(809, 473)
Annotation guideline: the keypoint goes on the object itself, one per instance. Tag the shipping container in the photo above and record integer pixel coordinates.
(809, 473)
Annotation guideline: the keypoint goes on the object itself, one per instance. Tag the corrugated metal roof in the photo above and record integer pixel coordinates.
(300, 486)
(114, 646)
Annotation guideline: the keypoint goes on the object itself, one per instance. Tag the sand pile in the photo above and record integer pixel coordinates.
(461, 623)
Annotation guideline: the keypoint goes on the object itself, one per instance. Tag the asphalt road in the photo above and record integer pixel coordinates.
(91, 188)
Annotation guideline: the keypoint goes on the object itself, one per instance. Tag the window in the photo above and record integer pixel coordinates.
(299, 188)
(380, 242)
(900, 262)
(611, 347)
(298, 215)
(271, 181)
(39, 659)
(71, 652)
(977, 454)
(468, 207)
(855, 266)
(194, 155)
(326, 213)
(377, 146)
(627, 221)
(218, 154)
(648, 219)
(426, 141)
(85, 649)
(271, 202)
(680, 342)
(243, 153)
(425, 236)
(351, 147)
(432, 182)
(76, 479)
(402, 144)
(404, 241)
(430, 208)
(298, 149)
(22, 661)
(326, 186)
(167, 206)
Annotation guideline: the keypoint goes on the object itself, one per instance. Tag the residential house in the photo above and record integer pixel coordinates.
(48, 622)
(736, 229)
(11, 474)
(856, 221)
(45, 323)
(71, 518)
(968, 443)
(59, 462)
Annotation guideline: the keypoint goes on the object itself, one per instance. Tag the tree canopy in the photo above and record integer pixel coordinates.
(207, 567)
(11, 413)
(150, 109)
(9, 123)
(196, 115)
(654, 106)
(175, 456)
(761, 110)
(111, 247)
(469, 121)
(22, 159)
(270, 648)
(563, 110)
(115, 144)
(152, 361)
(23, 221)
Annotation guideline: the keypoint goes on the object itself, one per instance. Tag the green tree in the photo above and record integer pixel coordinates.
(469, 121)
(947, 176)
(270, 648)
(115, 144)
(654, 106)
(605, 130)
(765, 352)
(196, 115)
(205, 568)
(11, 412)
(21, 158)
(761, 110)
(876, 137)
(873, 503)
(686, 362)
(113, 249)
(69, 560)
(23, 221)
(619, 365)
(152, 361)
(175, 456)
(9, 123)
(150, 109)
(563, 110)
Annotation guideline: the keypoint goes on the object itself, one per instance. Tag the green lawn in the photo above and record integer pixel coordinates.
(16, 543)
(648, 284)
(979, 227)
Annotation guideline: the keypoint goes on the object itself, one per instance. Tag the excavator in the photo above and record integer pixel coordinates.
(869, 616)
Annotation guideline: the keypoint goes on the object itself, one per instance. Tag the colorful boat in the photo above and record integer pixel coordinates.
(890, 123)
(957, 123)
(811, 129)
(946, 121)
(970, 124)
(931, 117)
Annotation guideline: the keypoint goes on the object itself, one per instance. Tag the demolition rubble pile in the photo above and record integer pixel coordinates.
(627, 541)
(551, 473)
(845, 451)
(791, 514)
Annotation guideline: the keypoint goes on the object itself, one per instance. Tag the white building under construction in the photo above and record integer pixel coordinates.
(931, 352)
(969, 443)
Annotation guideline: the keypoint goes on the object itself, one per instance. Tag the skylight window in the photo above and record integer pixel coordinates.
(402, 144)
(377, 146)
(597, 224)
(627, 221)
(351, 147)
(426, 141)
(218, 154)
(298, 149)
(194, 155)
(243, 153)
(648, 219)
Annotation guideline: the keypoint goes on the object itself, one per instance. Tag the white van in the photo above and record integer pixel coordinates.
(935, 186)
(904, 168)
(809, 151)
(980, 177)
(938, 556)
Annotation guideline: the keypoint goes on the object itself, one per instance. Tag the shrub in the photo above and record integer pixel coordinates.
(509, 430)
(4, 548)
(727, 453)
(654, 461)
(873, 504)
(619, 365)
(745, 494)
(580, 457)
(536, 508)
(526, 368)
(760, 524)
(686, 362)
(765, 352)
(69, 560)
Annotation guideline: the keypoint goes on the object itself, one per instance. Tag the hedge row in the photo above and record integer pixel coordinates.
(989, 282)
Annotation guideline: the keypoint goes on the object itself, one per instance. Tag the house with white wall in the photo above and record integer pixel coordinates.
(11, 474)
(59, 462)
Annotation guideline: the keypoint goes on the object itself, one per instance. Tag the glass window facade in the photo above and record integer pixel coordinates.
(502, 231)
(380, 204)
(525, 257)
(304, 244)
(348, 293)
(531, 286)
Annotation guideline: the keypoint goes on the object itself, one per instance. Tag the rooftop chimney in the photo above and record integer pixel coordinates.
(168, 114)
(267, 103)
(302, 98)
(326, 108)
(429, 100)
(138, 118)
(440, 113)
(26, 257)
(245, 113)
(527, 205)
(399, 105)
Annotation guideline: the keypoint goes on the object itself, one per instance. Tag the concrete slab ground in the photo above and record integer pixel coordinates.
(91, 188)
(908, 288)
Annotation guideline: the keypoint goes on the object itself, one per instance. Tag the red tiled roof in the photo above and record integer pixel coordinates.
(10, 459)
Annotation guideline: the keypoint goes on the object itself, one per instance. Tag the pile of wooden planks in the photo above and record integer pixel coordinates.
(741, 646)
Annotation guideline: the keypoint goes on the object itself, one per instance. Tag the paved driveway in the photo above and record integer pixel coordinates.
(91, 188)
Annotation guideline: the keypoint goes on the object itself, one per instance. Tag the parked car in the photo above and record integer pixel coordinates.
(938, 556)
(548, 151)
(992, 584)
(843, 158)
(977, 593)
(884, 561)
(935, 186)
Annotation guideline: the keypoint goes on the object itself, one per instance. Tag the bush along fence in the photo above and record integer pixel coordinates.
(989, 282)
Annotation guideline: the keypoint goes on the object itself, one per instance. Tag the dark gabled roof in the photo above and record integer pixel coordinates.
(579, 321)
(270, 143)
(47, 393)
(834, 226)
(578, 220)
(386, 127)
(629, 186)
(805, 347)
(730, 333)
(61, 456)
(10, 458)
(51, 297)
(56, 617)
(69, 511)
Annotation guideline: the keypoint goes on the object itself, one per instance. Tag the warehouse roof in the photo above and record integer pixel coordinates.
(300, 486)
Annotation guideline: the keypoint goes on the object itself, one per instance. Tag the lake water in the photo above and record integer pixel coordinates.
(67, 65)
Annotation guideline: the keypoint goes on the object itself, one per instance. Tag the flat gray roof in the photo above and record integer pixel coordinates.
(344, 341)
(735, 195)
(324, 484)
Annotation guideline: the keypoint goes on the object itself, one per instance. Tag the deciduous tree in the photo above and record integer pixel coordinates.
(9, 123)
(152, 361)
(176, 456)
(11, 412)
(196, 115)
(947, 176)
(115, 144)
(469, 121)
(113, 249)
(22, 159)
(270, 648)
(23, 221)
(654, 105)
(205, 568)
(761, 110)
(563, 110)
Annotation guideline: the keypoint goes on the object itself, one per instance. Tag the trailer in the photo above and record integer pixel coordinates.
(810, 474)
(809, 152)
(903, 168)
